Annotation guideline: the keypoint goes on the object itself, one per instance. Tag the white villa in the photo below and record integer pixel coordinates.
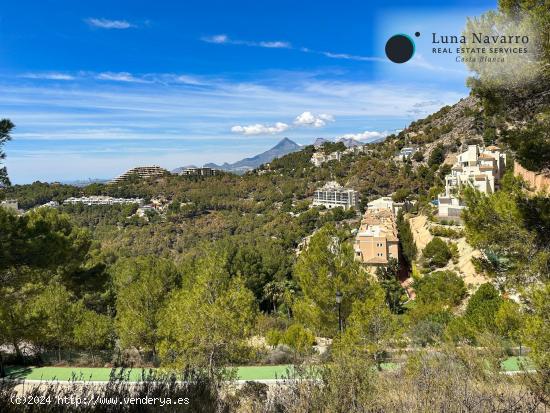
(406, 152)
(320, 158)
(479, 168)
(333, 195)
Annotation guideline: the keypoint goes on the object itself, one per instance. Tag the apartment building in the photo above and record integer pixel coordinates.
(376, 241)
(479, 168)
(333, 195)
(199, 172)
(101, 200)
(385, 203)
(142, 172)
(354, 150)
(320, 158)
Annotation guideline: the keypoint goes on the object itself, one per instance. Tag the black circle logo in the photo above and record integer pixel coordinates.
(400, 48)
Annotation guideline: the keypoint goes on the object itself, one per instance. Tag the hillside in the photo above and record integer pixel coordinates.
(450, 127)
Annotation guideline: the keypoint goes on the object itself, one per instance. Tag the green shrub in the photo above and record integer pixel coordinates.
(459, 331)
(444, 287)
(437, 253)
(437, 156)
(401, 195)
(418, 156)
(454, 252)
(483, 307)
(298, 338)
(441, 231)
(273, 337)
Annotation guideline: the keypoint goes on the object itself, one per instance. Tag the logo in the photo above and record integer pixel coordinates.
(400, 48)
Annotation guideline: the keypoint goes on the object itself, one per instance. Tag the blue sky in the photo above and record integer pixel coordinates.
(95, 88)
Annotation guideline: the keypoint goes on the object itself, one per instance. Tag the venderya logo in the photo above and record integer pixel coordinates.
(400, 48)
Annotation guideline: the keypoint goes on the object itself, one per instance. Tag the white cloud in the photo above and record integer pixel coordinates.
(120, 77)
(259, 129)
(49, 76)
(189, 80)
(276, 45)
(310, 119)
(218, 38)
(109, 24)
(305, 119)
(225, 39)
(347, 56)
(164, 78)
(365, 136)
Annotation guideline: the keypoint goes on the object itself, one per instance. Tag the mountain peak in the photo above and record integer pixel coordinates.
(319, 142)
(285, 142)
(284, 147)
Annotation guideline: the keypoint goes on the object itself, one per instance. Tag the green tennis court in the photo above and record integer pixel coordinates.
(517, 364)
(243, 373)
(102, 374)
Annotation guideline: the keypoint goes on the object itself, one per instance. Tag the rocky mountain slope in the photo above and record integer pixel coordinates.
(450, 126)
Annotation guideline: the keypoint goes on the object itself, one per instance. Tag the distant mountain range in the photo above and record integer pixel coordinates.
(284, 147)
(85, 182)
(350, 142)
(319, 142)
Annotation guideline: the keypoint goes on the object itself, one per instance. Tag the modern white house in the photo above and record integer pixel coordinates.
(408, 151)
(480, 168)
(405, 153)
(333, 195)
